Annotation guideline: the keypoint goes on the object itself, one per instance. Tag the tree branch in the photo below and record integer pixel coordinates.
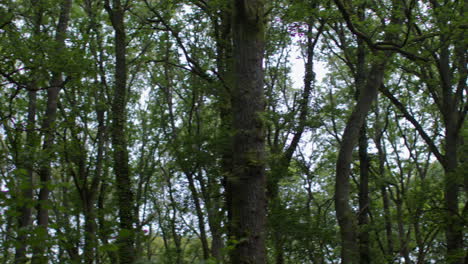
(415, 123)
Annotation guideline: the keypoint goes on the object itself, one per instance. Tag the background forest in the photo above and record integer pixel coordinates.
(161, 131)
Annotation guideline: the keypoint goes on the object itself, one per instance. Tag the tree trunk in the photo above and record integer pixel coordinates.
(364, 164)
(401, 230)
(200, 215)
(125, 197)
(248, 177)
(388, 251)
(454, 228)
(344, 213)
(280, 168)
(91, 242)
(48, 126)
(26, 182)
(454, 224)
(368, 93)
(104, 227)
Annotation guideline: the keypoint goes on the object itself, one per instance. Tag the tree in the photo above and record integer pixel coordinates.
(248, 180)
(125, 194)
(445, 79)
(48, 127)
(167, 131)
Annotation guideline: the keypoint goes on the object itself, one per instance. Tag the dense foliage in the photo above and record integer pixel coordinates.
(195, 131)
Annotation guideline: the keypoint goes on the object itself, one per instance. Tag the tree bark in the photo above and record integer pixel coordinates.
(125, 197)
(451, 114)
(248, 177)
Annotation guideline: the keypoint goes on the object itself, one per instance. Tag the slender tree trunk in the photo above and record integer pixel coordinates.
(104, 231)
(48, 126)
(90, 251)
(364, 203)
(90, 234)
(248, 177)
(454, 225)
(173, 223)
(222, 27)
(280, 168)
(91, 192)
(401, 230)
(26, 182)
(344, 213)
(200, 216)
(125, 197)
(388, 251)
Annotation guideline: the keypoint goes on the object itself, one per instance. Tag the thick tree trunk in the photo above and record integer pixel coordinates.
(248, 177)
(125, 197)
(454, 224)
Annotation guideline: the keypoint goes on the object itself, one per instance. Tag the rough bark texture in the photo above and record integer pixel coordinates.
(48, 126)
(125, 197)
(248, 176)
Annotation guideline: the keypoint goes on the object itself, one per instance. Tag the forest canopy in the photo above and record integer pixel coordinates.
(240, 131)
